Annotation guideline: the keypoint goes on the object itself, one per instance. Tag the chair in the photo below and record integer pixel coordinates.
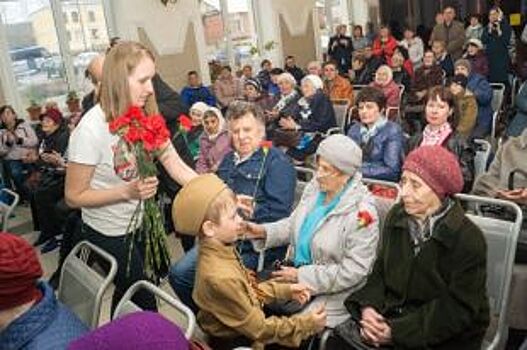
(6, 209)
(81, 287)
(383, 204)
(398, 108)
(498, 90)
(341, 112)
(126, 305)
(482, 156)
(501, 236)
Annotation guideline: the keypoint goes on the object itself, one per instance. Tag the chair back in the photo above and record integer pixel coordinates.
(7, 208)
(498, 93)
(185, 316)
(82, 286)
(501, 236)
(481, 157)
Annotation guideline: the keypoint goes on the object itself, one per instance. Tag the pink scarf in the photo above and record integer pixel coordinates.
(436, 137)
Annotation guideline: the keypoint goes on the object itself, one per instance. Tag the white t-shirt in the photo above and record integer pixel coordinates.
(91, 143)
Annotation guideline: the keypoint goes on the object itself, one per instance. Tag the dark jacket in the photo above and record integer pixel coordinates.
(296, 72)
(437, 298)
(479, 63)
(275, 179)
(370, 67)
(340, 48)
(317, 115)
(58, 142)
(424, 79)
(264, 77)
(458, 145)
(497, 50)
(88, 102)
(447, 65)
(191, 95)
(483, 91)
(382, 155)
(48, 325)
(402, 77)
(519, 123)
(171, 105)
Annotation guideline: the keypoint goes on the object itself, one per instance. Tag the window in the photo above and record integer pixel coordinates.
(37, 64)
(91, 16)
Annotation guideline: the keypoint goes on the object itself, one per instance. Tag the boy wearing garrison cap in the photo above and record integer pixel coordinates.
(229, 298)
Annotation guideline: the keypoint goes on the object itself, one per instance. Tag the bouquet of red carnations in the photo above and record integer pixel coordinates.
(141, 140)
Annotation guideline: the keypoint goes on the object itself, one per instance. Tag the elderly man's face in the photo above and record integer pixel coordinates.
(418, 198)
(247, 134)
(449, 14)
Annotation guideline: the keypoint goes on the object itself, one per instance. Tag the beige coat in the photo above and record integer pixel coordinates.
(511, 155)
(343, 251)
(229, 306)
(468, 113)
(454, 37)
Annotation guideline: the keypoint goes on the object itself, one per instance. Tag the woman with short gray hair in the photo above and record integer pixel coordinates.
(333, 232)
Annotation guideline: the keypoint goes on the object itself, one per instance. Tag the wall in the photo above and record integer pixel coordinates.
(174, 32)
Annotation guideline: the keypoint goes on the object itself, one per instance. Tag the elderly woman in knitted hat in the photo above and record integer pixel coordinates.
(315, 116)
(384, 81)
(475, 53)
(252, 92)
(428, 285)
(31, 317)
(333, 231)
(482, 90)
(50, 188)
(215, 142)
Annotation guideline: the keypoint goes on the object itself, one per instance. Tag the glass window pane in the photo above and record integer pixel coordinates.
(89, 36)
(243, 31)
(216, 44)
(34, 50)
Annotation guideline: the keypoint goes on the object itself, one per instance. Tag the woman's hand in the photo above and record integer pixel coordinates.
(374, 328)
(286, 274)
(253, 231)
(142, 189)
(518, 195)
(288, 123)
(300, 293)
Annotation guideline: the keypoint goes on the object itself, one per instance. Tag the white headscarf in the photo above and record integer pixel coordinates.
(221, 122)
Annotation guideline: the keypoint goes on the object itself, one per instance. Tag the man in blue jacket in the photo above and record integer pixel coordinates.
(264, 181)
(196, 92)
(482, 90)
(31, 317)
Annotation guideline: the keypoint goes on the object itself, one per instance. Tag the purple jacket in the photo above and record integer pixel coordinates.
(211, 153)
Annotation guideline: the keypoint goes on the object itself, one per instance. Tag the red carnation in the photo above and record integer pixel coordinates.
(185, 123)
(364, 218)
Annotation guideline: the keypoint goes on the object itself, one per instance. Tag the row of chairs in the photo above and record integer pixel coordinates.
(83, 285)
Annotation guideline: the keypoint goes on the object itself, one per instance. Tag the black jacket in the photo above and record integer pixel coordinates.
(170, 104)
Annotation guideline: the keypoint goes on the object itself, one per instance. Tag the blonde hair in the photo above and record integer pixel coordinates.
(119, 64)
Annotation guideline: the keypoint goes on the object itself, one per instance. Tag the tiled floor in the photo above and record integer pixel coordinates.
(21, 224)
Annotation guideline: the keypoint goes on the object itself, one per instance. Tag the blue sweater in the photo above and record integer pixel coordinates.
(382, 156)
(276, 188)
(48, 325)
(191, 95)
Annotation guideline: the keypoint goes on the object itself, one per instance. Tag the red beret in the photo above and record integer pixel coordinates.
(19, 272)
(53, 114)
(438, 168)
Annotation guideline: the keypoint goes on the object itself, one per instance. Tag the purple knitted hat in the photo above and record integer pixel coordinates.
(438, 168)
(140, 330)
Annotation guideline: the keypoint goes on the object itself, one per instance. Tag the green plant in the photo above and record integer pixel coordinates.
(270, 45)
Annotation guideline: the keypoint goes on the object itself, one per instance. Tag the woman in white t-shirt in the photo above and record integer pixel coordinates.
(92, 183)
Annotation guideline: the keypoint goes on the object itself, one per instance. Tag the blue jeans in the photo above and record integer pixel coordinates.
(182, 274)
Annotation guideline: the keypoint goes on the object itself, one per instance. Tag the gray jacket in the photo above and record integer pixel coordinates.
(512, 155)
(343, 250)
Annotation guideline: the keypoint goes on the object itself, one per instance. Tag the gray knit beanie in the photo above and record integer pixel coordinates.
(341, 152)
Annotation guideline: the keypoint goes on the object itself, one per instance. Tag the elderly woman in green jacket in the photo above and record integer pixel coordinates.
(428, 286)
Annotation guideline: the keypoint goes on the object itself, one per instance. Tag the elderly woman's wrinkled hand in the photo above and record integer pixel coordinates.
(253, 231)
(301, 293)
(374, 328)
(286, 274)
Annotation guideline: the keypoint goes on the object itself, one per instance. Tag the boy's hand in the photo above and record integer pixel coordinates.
(286, 274)
(300, 293)
(319, 316)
